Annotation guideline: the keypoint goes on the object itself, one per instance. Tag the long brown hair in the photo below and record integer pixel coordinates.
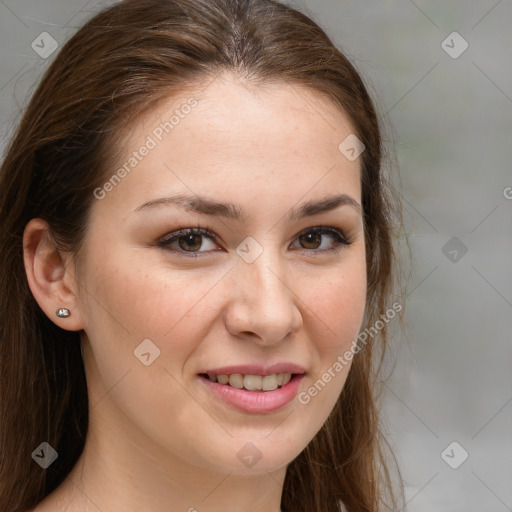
(124, 60)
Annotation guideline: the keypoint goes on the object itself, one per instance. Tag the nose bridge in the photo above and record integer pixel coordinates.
(266, 304)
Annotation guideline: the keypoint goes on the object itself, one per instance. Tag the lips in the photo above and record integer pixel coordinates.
(254, 388)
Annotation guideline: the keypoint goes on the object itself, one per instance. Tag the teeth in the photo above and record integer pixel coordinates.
(236, 380)
(270, 382)
(223, 379)
(253, 382)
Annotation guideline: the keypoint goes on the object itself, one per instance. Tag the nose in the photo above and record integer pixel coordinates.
(263, 305)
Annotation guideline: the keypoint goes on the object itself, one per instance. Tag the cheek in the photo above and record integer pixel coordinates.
(335, 315)
(132, 299)
(337, 307)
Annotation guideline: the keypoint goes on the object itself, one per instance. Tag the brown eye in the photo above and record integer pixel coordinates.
(190, 242)
(311, 240)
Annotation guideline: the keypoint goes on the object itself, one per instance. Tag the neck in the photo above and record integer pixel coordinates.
(115, 473)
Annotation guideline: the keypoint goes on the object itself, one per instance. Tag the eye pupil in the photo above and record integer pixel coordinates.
(311, 238)
(190, 238)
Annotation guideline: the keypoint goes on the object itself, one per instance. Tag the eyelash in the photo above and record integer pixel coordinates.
(340, 240)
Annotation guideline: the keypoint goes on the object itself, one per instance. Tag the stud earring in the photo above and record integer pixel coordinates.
(63, 313)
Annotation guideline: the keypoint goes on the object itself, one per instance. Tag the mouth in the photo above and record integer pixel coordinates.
(254, 390)
(251, 382)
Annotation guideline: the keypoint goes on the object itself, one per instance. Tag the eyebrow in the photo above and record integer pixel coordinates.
(206, 206)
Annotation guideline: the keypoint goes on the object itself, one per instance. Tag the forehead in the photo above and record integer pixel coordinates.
(231, 138)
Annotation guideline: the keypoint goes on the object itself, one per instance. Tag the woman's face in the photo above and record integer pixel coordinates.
(263, 293)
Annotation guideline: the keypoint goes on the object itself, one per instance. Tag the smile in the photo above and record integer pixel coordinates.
(252, 382)
(247, 392)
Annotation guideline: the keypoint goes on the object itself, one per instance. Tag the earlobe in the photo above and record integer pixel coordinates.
(51, 282)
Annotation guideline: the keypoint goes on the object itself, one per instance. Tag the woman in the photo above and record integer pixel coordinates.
(197, 244)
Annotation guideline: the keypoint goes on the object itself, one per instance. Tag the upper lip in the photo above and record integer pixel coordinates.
(256, 369)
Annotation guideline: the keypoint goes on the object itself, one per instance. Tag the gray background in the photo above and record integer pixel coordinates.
(452, 122)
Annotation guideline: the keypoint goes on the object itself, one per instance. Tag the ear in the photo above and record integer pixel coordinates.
(50, 276)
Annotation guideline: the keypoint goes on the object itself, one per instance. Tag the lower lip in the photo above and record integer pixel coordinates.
(257, 402)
